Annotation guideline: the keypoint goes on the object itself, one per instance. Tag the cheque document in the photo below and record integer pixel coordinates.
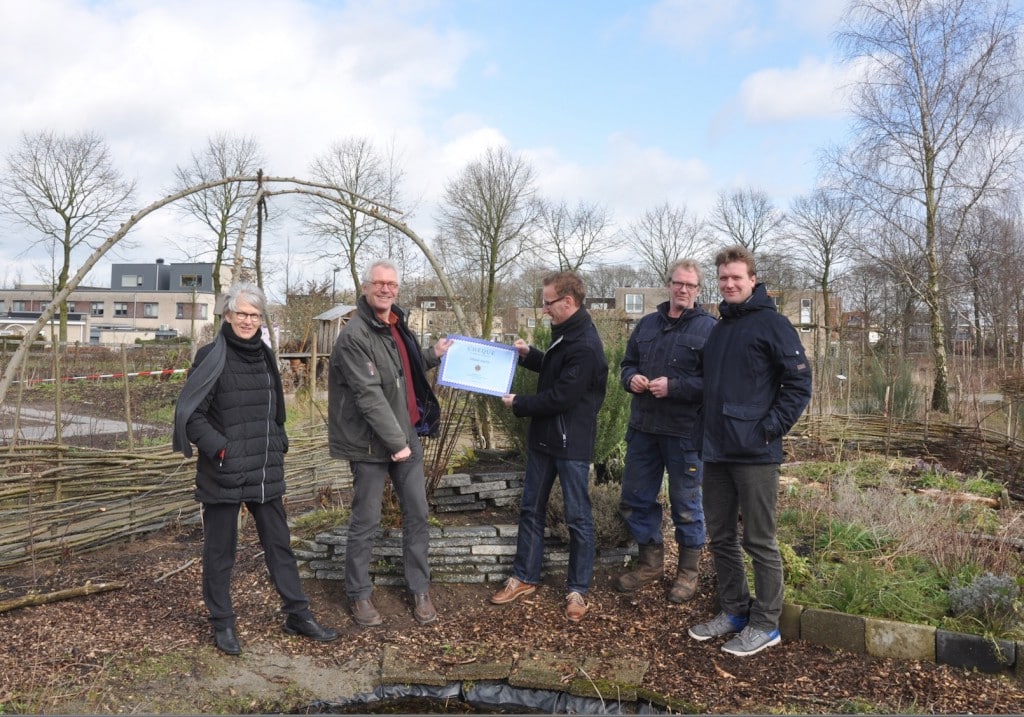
(479, 366)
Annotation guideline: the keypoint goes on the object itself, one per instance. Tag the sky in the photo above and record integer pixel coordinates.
(625, 104)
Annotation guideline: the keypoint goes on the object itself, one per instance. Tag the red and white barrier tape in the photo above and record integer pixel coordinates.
(93, 376)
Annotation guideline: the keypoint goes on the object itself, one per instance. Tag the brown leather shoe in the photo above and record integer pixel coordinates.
(514, 589)
(575, 607)
(423, 611)
(365, 614)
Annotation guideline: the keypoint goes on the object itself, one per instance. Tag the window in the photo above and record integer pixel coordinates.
(428, 304)
(18, 305)
(131, 281)
(805, 311)
(634, 303)
(531, 323)
(191, 281)
(96, 309)
(150, 310)
(599, 306)
(190, 311)
(120, 308)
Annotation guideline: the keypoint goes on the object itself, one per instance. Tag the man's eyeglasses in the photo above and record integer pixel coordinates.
(393, 285)
(683, 285)
(553, 301)
(245, 316)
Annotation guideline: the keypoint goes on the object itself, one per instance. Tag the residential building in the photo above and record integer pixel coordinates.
(144, 302)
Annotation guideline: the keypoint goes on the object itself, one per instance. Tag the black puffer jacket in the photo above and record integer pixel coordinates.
(570, 390)
(243, 415)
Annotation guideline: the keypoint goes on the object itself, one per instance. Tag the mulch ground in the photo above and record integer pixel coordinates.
(84, 654)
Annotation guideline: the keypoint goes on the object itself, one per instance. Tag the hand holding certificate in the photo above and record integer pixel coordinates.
(478, 366)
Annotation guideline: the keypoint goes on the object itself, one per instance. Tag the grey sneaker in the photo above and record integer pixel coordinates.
(723, 624)
(751, 641)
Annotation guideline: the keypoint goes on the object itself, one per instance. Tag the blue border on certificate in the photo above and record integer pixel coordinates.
(479, 366)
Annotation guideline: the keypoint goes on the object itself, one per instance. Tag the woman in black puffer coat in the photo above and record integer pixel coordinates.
(232, 409)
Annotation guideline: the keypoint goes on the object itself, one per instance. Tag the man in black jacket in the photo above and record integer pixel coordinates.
(661, 369)
(757, 382)
(563, 429)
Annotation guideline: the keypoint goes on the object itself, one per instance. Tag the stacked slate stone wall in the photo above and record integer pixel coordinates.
(472, 553)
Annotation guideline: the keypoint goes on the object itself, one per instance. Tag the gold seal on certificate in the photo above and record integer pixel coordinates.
(478, 366)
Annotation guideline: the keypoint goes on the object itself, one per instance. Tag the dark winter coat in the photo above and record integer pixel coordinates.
(757, 382)
(663, 346)
(233, 402)
(368, 416)
(570, 390)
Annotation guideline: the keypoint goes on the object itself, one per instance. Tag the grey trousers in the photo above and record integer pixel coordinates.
(733, 491)
(367, 489)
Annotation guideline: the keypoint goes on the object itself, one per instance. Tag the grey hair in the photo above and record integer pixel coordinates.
(689, 265)
(380, 263)
(247, 292)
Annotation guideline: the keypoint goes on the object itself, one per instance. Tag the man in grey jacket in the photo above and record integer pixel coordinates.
(379, 403)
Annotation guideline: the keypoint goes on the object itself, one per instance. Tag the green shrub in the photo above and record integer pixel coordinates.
(610, 529)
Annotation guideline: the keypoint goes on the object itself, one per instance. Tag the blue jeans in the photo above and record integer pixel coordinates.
(573, 476)
(750, 491)
(367, 491)
(648, 456)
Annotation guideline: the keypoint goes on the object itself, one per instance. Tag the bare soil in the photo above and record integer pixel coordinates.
(147, 647)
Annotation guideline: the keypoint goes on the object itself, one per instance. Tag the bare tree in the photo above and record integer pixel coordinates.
(66, 189)
(363, 177)
(820, 225)
(577, 235)
(488, 218)
(935, 131)
(746, 216)
(602, 281)
(663, 235)
(224, 207)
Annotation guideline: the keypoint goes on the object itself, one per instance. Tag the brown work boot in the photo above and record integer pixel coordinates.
(514, 589)
(651, 565)
(423, 611)
(575, 607)
(365, 614)
(684, 587)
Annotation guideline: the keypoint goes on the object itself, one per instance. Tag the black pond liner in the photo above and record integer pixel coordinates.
(480, 697)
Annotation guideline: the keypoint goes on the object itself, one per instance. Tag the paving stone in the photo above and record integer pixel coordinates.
(899, 640)
(609, 678)
(396, 670)
(974, 651)
(539, 670)
(833, 629)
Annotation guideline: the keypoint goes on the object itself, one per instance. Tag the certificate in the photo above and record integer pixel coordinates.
(478, 366)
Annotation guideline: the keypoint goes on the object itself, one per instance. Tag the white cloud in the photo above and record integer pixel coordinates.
(813, 89)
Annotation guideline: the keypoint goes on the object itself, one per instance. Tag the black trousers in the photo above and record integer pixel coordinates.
(220, 542)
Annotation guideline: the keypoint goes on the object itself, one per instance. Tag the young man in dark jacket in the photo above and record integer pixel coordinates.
(379, 403)
(757, 382)
(661, 369)
(563, 429)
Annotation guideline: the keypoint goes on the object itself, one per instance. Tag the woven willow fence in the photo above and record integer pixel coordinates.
(57, 500)
(967, 449)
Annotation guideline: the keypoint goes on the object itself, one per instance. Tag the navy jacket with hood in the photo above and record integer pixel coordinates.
(662, 346)
(757, 382)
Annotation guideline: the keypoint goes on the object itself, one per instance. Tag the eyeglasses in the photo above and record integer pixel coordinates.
(553, 301)
(393, 285)
(244, 316)
(683, 285)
